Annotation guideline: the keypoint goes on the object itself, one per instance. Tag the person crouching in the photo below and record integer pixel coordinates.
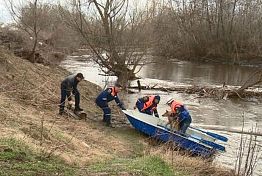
(148, 104)
(182, 115)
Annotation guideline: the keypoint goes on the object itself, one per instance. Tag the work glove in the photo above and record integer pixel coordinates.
(122, 107)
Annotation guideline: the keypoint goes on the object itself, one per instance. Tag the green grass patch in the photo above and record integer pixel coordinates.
(60, 136)
(132, 137)
(144, 166)
(16, 158)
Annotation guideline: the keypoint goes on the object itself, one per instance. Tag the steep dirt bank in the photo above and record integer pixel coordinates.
(29, 96)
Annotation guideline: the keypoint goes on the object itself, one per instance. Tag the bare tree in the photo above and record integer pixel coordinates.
(248, 153)
(227, 30)
(113, 32)
(31, 18)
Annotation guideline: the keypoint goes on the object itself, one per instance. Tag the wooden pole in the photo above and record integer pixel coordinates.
(139, 85)
(231, 130)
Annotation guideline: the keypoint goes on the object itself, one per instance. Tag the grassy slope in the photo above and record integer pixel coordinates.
(29, 94)
(48, 145)
(16, 158)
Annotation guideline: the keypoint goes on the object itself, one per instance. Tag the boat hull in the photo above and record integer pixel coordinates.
(158, 132)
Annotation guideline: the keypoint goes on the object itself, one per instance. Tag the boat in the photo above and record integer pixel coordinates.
(196, 141)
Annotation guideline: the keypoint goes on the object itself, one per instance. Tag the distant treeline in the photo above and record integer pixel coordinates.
(217, 30)
(226, 30)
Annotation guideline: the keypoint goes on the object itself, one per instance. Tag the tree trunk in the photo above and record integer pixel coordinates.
(32, 54)
(253, 79)
(124, 76)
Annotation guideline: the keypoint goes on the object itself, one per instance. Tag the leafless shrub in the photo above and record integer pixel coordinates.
(114, 33)
(248, 153)
(216, 30)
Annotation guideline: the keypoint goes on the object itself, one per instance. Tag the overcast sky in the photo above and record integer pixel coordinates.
(5, 16)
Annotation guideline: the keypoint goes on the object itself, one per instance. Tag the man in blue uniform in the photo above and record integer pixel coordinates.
(106, 96)
(148, 104)
(68, 86)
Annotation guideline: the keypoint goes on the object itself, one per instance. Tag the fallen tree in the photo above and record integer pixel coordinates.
(205, 91)
(219, 92)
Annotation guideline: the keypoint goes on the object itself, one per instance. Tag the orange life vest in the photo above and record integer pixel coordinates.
(149, 103)
(113, 91)
(175, 105)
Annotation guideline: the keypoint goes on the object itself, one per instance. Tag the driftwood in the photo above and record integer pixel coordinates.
(220, 92)
(253, 79)
(78, 114)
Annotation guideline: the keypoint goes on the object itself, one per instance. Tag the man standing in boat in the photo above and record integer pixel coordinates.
(148, 104)
(182, 115)
(106, 96)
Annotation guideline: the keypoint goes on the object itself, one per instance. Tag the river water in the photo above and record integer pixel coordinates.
(204, 111)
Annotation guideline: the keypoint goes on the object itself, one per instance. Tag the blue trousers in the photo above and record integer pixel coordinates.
(106, 111)
(184, 126)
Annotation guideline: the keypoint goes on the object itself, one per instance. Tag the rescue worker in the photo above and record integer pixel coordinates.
(148, 104)
(68, 86)
(106, 96)
(183, 117)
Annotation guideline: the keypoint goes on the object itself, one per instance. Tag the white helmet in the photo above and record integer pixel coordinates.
(170, 101)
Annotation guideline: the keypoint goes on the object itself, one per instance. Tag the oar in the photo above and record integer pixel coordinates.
(214, 135)
(233, 130)
(210, 143)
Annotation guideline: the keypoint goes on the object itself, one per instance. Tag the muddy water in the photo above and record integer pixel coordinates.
(197, 73)
(216, 113)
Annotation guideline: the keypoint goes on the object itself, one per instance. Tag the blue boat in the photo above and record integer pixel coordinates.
(195, 141)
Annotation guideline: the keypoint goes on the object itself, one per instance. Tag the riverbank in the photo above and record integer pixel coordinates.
(35, 141)
(246, 61)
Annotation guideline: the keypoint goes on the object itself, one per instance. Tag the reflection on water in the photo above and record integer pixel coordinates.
(194, 73)
(89, 69)
(222, 113)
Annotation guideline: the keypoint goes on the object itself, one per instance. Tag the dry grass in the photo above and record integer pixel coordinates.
(196, 166)
(29, 96)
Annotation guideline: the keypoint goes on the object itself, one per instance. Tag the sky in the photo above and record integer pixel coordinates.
(4, 13)
(5, 16)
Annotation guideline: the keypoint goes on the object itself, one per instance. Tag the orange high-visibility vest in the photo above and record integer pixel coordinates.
(113, 91)
(149, 103)
(175, 105)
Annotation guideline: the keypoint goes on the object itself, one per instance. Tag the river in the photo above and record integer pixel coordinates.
(205, 111)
